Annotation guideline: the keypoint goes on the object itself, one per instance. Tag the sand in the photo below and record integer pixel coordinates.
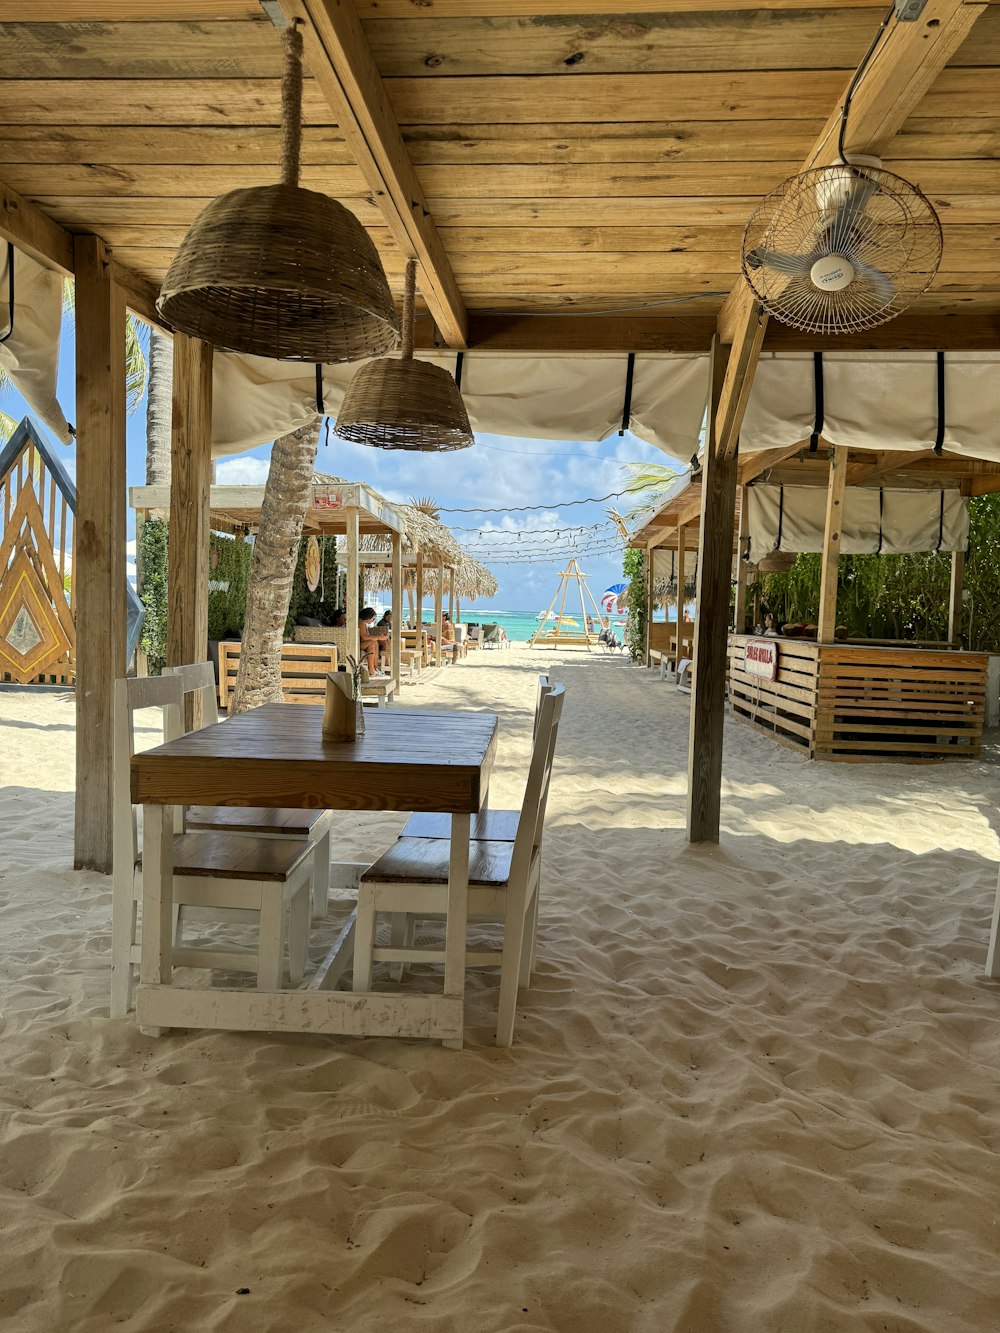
(754, 1088)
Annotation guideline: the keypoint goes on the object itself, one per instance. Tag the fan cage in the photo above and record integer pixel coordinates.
(894, 233)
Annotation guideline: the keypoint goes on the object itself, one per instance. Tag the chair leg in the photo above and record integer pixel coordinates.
(123, 932)
(321, 877)
(528, 943)
(364, 940)
(271, 939)
(399, 930)
(510, 963)
(298, 932)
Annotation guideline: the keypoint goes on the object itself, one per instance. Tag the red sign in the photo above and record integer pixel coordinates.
(760, 658)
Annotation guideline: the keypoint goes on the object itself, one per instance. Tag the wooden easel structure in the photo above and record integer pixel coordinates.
(564, 635)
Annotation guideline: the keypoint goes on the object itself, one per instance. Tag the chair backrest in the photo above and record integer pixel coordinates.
(545, 683)
(132, 694)
(491, 634)
(528, 839)
(197, 678)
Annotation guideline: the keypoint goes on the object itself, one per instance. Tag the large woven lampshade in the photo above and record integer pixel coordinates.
(404, 404)
(280, 271)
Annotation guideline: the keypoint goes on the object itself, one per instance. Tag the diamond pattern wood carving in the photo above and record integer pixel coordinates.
(31, 637)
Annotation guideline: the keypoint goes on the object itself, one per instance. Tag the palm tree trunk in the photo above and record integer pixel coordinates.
(159, 408)
(286, 499)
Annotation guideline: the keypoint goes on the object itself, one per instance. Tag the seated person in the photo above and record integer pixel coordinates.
(447, 629)
(340, 619)
(384, 626)
(370, 643)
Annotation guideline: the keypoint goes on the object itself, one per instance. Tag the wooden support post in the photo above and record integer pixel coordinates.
(451, 594)
(742, 568)
(420, 604)
(650, 558)
(353, 604)
(681, 557)
(831, 546)
(99, 568)
(439, 612)
(711, 625)
(190, 487)
(396, 637)
(955, 597)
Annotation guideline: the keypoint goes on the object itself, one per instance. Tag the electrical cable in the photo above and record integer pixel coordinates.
(852, 86)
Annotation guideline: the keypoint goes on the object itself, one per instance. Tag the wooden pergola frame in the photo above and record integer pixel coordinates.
(341, 62)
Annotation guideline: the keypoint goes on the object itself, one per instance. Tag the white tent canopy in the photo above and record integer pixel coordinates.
(29, 352)
(537, 397)
(886, 522)
(877, 400)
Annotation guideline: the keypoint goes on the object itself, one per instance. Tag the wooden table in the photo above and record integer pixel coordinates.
(276, 756)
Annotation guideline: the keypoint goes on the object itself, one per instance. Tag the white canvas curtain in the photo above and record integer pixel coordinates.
(890, 522)
(535, 397)
(30, 352)
(877, 400)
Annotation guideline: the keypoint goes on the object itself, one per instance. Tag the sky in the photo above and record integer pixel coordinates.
(525, 541)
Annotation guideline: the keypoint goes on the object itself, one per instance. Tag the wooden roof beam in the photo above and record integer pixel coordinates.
(344, 68)
(48, 243)
(905, 65)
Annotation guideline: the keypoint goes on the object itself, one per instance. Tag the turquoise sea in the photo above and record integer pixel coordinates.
(520, 625)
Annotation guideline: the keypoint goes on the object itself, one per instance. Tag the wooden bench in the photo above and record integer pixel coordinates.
(304, 668)
(657, 657)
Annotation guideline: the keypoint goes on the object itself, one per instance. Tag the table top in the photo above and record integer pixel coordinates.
(277, 756)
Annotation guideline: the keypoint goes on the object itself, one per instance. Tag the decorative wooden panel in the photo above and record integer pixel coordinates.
(37, 632)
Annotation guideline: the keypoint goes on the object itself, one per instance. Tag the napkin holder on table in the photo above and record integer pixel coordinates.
(343, 719)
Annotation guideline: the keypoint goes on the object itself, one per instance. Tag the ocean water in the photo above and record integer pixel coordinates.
(520, 625)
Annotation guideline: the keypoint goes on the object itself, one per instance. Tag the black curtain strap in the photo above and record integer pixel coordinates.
(939, 436)
(10, 293)
(940, 524)
(459, 363)
(819, 418)
(781, 516)
(627, 405)
(320, 405)
(881, 512)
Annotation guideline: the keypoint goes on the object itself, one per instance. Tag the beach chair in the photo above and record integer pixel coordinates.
(490, 636)
(491, 825)
(198, 679)
(261, 880)
(412, 878)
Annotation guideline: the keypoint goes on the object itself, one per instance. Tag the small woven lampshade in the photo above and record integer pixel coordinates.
(280, 271)
(404, 404)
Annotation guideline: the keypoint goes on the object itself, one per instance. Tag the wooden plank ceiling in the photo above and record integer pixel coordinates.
(570, 162)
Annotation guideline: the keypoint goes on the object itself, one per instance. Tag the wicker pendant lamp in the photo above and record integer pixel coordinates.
(280, 271)
(404, 404)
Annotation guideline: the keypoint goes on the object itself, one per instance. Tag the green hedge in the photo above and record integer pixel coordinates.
(635, 619)
(322, 603)
(229, 573)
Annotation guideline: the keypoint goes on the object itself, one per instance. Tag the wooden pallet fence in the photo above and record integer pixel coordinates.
(913, 705)
(784, 707)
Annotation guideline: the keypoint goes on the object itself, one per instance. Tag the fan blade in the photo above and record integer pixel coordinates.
(882, 286)
(793, 265)
(850, 212)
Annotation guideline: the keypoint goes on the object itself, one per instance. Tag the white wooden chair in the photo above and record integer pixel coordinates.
(412, 878)
(493, 825)
(262, 880)
(993, 955)
(314, 825)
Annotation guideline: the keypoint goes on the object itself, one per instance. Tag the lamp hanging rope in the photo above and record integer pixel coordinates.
(281, 271)
(405, 403)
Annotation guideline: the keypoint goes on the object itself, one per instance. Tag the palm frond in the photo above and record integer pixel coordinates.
(136, 350)
(7, 427)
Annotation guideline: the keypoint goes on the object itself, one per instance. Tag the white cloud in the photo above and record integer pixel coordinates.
(242, 471)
